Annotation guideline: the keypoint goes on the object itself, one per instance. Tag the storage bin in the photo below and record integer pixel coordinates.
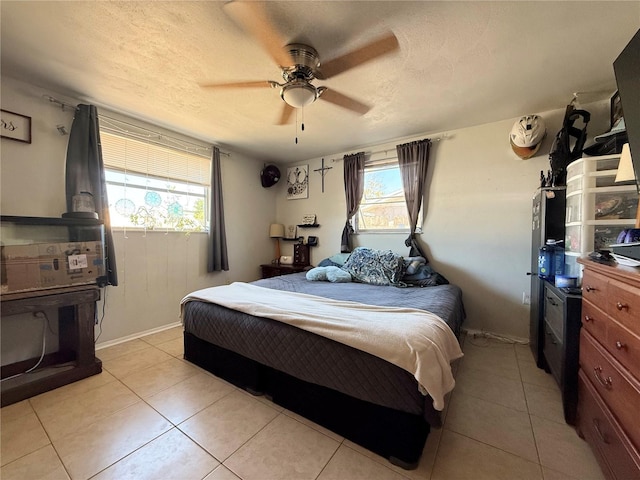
(598, 209)
(40, 253)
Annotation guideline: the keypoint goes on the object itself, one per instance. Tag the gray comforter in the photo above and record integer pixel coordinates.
(319, 360)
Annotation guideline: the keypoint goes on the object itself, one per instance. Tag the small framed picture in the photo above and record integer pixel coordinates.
(616, 109)
(298, 182)
(15, 126)
(291, 231)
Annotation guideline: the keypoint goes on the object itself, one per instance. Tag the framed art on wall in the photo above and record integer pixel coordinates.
(290, 231)
(298, 182)
(15, 126)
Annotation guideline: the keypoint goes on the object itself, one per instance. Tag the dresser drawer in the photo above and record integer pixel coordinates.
(613, 450)
(553, 352)
(554, 312)
(620, 391)
(623, 304)
(623, 345)
(594, 289)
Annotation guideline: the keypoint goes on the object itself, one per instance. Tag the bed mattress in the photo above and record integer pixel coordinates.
(321, 361)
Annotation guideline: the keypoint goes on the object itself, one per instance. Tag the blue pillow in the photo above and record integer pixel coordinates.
(317, 274)
(331, 274)
(337, 275)
(336, 260)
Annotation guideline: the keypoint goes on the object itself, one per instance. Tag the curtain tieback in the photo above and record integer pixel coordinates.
(409, 241)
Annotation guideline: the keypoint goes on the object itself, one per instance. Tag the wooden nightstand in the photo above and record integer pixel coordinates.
(274, 269)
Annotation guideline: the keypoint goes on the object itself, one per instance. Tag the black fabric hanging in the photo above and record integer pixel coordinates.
(85, 173)
(217, 256)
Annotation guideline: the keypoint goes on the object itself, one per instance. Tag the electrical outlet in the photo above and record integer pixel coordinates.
(526, 298)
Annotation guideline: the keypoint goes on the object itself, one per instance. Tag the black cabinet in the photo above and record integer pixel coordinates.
(547, 222)
(301, 255)
(561, 343)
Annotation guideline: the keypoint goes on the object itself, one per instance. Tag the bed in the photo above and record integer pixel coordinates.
(356, 394)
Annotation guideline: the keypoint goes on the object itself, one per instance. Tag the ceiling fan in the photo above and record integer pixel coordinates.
(300, 63)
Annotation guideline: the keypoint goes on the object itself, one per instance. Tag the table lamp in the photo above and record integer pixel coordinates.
(276, 230)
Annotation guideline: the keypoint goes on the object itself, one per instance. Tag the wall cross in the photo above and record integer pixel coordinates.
(323, 171)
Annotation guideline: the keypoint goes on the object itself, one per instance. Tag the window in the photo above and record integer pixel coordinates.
(383, 207)
(154, 187)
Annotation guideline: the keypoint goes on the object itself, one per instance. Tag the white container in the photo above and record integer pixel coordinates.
(597, 208)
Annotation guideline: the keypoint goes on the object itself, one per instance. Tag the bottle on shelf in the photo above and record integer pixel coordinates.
(551, 259)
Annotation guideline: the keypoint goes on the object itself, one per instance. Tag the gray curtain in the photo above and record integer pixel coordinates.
(217, 259)
(353, 190)
(413, 159)
(85, 173)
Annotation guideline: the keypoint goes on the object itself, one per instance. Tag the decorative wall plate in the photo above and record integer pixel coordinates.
(298, 182)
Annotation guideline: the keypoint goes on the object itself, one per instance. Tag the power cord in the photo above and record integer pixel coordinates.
(45, 322)
(99, 322)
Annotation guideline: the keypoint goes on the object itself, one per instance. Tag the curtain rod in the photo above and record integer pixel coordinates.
(58, 102)
(64, 106)
(434, 139)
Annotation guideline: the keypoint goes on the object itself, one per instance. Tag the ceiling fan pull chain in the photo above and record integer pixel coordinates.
(296, 126)
(302, 109)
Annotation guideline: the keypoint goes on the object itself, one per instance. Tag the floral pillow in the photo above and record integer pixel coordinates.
(376, 267)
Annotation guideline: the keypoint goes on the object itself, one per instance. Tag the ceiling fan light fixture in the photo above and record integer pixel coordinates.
(299, 94)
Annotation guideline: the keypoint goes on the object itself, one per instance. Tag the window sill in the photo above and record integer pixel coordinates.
(155, 231)
(387, 232)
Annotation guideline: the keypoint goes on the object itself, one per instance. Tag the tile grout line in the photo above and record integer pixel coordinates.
(521, 383)
(173, 425)
(50, 441)
(533, 432)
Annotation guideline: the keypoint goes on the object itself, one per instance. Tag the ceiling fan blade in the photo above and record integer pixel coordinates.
(259, 83)
(375, 49)
(287, 111)
(343, 101)
(252, 17)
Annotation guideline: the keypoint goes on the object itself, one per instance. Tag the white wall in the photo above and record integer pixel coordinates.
(155, 269)
(477, 219)
(477, 225)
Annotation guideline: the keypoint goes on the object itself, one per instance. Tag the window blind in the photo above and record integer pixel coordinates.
(386, 161)
(127, 154)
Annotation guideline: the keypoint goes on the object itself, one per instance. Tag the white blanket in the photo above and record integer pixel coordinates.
(415, 340)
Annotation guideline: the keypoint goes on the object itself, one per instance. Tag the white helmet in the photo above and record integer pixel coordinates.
(526, 136)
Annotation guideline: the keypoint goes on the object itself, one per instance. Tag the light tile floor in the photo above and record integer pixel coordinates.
(151, 415)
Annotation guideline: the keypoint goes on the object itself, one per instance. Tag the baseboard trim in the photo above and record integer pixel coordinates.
(473, 333)
(128, 338)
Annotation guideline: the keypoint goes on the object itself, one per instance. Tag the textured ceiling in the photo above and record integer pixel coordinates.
(459, 64)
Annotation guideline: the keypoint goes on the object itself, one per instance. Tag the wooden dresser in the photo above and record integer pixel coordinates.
(274, 269)
(608, 416)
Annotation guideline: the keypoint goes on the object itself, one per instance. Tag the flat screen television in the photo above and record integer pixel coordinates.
(627, 71)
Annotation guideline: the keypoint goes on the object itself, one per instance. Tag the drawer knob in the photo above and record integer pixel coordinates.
(589, 288)
(587, 318)
(620, 306)
(620, 345)
(605, 382)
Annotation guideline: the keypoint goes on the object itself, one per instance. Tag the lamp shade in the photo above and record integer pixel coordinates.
(625, 166)
(298, 94)
(276, 230)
